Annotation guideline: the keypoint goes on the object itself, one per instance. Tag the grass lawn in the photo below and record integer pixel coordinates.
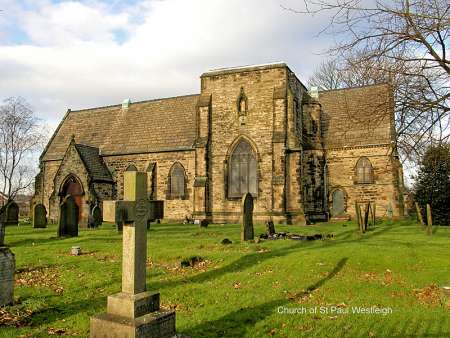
(240, 289)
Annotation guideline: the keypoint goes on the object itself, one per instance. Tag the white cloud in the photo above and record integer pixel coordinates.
(75, 59)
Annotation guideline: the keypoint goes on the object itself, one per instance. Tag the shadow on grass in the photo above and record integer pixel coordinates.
(255, 258)
(236, 266)
(236, 323)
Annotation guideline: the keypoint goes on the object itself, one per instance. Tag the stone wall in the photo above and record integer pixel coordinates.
(263, 126)
(71, 165)
(385, 189)
(174, 209)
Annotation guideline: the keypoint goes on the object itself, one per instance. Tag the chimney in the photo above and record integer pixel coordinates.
(314, 92)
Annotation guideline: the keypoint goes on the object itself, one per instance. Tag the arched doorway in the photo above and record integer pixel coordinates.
(72, 186)
(338, 206)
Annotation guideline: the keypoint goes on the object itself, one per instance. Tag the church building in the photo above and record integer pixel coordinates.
(302, 154)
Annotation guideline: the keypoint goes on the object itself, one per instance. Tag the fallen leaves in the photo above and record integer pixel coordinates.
(46, 277)
(428, 295)
(14, 316)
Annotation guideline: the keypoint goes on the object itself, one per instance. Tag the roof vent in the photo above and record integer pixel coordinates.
(314, 92)
(126, 103)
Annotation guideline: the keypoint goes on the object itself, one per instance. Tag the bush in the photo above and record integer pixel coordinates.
(433, 183)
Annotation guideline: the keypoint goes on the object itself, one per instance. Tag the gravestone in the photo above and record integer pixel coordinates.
(68, 218)
(270, 228)
(9, 214)
(95, 217)
(7, 268)
(134, 312)
(39, 216)
(247, 218)
(338, 207)
(2, 233)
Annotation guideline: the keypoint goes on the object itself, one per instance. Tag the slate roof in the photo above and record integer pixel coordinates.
(359, 116)
(94, 164)
(147, 126)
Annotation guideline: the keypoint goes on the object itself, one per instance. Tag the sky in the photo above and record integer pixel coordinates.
(80, 54)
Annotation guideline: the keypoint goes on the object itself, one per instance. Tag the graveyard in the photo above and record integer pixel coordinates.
(392, 274)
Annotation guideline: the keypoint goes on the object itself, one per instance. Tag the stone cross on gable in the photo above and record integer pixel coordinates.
(133, 213)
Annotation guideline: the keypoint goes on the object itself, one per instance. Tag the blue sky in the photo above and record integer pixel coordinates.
(78, 54)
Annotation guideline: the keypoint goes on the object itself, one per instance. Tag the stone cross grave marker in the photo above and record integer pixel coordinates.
(134, 312)
(68, 218)
(39, 216)
(247, 218)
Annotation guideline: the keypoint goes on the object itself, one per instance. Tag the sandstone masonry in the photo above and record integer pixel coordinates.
(251, 129)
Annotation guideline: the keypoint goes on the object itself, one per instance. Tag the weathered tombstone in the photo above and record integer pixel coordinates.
(39, 216)
(95, 217)
(270, 228)
(374, 213)
(110, 214)
(338, 203)
(429, 220)
(2, 233)
(419, 214)
(68, 218)
(7, 268)
(366, 216)
(10, 214)
(359, 217)
(134, 312)
(247, 218)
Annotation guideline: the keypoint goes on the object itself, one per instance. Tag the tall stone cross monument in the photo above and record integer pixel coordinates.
(134, 312)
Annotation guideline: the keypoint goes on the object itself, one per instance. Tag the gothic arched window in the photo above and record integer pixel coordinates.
(242, 171)
(131, 167)
(364, 171)
(177, 182)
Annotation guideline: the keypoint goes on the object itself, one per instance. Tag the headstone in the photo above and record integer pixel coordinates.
(10, 214)
(95, 217)
(270, 228)
(134, 312)
(2, 233)
(429, 220)
(247, 218)
(39, 216)
(110, 214)
(68, 218)
(419, 214)
(338, 207)
(7, 268)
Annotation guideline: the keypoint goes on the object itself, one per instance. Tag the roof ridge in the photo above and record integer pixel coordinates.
(356, 87)
(137, 102)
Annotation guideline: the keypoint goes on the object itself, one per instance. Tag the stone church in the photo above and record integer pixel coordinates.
(302, 154)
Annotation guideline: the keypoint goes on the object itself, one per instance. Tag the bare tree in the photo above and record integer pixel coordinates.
(21, 136)
(327, 76)
(403, 42)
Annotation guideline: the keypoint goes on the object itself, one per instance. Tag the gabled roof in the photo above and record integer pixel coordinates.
(359, 116)
(93, 162)
(147, 126)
